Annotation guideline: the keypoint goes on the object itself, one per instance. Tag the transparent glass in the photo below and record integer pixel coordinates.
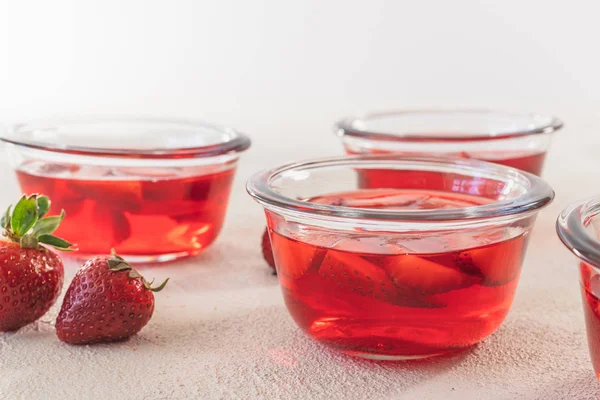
(516, 140)
(578, 226)
(153, 189)
(419, 268)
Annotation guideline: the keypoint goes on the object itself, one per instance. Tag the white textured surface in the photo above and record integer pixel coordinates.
(221, 330)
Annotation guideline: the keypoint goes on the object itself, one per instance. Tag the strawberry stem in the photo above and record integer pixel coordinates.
(117, 263)
(148, 285)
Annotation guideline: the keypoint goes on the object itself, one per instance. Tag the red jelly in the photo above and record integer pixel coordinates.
(153, 189)
(389, 178)
(590, 290)
(528, 162)
(532, 163)
(419, 264)
(386, 302)
(516, 140)
(578, 227)
(136, 217)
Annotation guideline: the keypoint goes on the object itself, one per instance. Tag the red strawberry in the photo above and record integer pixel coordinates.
(365, 276)
(497, 264)
(463, 261)
(31, 276)
(267, 251)
(107, 301)
(294, 259)
(424, 275)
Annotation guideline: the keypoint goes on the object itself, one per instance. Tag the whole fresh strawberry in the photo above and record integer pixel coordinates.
(107, 301)
(31, 276)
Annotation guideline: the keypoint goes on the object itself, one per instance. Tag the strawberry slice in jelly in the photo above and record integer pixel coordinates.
(350, 273)
(113, 224)
(163, 191)
(424, 275)
(293, 259)
(198, 215)
(118, 195)
(496, 265)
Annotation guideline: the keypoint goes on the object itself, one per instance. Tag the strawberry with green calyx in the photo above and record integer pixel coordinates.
(28, 225)
(31, 276)
(107, 301)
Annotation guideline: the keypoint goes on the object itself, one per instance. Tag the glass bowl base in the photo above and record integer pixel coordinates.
(142, 258)
(387, 357)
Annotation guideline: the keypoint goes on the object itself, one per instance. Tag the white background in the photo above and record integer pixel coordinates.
(293, 67)
(283, 72)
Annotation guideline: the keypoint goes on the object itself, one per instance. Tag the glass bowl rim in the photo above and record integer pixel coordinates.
(571, 229)
(238, 143)
(538, 194)
(346, 126)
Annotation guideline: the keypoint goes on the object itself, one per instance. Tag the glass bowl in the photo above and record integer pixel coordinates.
(153, 189)
(428, 266)
(517, 140)
(578, 226)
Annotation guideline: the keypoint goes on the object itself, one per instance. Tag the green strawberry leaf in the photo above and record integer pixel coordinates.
(120, 266)
(24, 216)
(60, 244)
(24, 224)
(159, 288)
(48, 225)
(134, 274)
(5, 222)
(43, 205)
(117, 263)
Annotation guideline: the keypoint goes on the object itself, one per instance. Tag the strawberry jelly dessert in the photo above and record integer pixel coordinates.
(372, 297)
(590, 291)
(528, 162)
(513, 139)
(532, 163)
(133, 210)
